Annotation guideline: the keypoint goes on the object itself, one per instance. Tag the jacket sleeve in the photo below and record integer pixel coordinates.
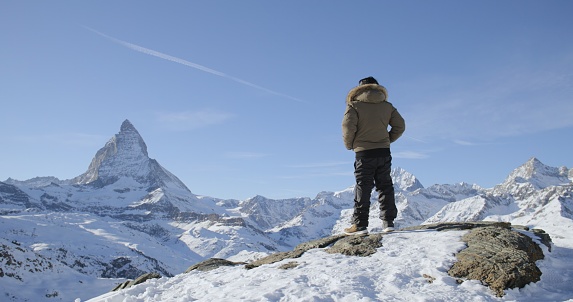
(349, 126)
(397, 124)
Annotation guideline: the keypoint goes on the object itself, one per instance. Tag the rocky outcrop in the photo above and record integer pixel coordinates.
(457, 226)
(357, 245)
(138, 280)
(499, 257)
(296, 253)
(498, 254)
(211, 264)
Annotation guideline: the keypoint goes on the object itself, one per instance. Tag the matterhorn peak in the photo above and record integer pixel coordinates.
(127, 126)
(131, 139)
(125, 156)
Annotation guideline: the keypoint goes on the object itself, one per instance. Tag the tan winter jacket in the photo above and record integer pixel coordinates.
(367, 117)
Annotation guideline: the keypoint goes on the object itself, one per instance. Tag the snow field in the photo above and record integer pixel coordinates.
(410, 266)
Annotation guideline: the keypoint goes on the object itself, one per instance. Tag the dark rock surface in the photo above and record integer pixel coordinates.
(297, 252)
(211, 264)
(457, 226)
(499, 257)
(138, 280)
(357, 245)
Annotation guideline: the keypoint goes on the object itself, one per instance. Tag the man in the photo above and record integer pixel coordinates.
(365, 131)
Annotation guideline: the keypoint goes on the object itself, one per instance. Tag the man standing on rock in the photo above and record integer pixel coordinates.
(365, 131)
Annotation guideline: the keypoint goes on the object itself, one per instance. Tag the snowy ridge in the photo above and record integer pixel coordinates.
(535, 173)
(404, 180)
(127, 215)
(267, 213)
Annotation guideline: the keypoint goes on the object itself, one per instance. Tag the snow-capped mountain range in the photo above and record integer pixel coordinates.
(127, 215)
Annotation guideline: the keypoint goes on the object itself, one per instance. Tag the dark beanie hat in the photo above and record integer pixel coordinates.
(368, 80)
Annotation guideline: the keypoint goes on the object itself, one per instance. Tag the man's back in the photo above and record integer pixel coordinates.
(367, 117)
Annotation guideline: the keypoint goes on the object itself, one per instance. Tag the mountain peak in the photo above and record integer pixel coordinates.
(125, 154)
(405, 180)
(126, 126)
(534, 162)
(538, 174)
(129, 138)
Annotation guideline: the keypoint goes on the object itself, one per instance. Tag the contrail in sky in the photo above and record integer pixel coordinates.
(160, 55)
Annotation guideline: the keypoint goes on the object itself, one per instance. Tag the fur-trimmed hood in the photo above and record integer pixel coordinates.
(369, 93)
(367, 117)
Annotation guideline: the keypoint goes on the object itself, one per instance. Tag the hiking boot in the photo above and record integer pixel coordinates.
(388, 226)
(355, 230)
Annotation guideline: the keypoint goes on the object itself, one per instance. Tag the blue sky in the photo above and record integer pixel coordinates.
(245, 98)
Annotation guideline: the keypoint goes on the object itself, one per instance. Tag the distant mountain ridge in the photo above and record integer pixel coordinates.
(127, 214)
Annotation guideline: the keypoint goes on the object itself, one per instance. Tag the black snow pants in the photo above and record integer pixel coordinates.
(370, 172)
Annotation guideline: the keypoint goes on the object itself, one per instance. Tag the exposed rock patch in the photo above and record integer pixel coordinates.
(296, 253)
(357, 245)
(289, 265)
(457, 226)
(499, 257)
(138, 280)
(211, 264)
